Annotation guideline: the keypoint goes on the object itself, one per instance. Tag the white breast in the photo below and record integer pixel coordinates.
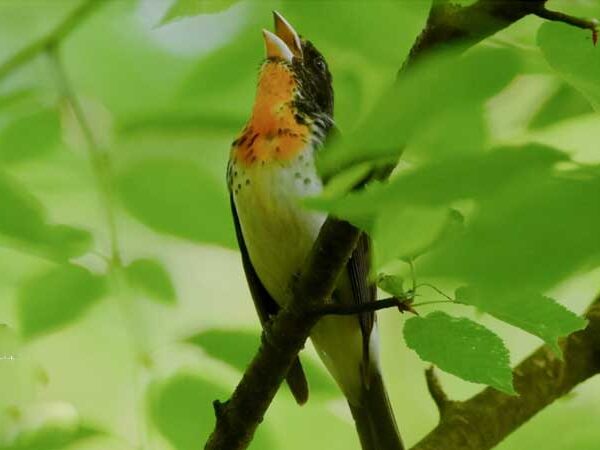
(278, 231)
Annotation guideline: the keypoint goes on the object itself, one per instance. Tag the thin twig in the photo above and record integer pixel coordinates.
(403, 304)
(50, 39)
(557, 16)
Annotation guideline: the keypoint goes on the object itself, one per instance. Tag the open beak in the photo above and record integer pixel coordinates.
(285, 42)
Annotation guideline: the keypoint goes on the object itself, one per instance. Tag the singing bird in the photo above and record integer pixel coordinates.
(271, 168)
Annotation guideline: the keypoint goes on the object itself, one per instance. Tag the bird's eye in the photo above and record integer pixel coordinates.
(320, 64)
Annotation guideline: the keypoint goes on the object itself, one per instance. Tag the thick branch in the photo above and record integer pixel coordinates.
(238, 418)
(51, 39)
(452, 24)
(484, 420)
(436, 391)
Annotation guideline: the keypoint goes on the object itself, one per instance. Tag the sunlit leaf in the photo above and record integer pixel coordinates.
(190, 8)
(178, 197)
(529, 311)
(23, 221)
(572, 54)
(57, 298)
(30, 136)
(565, 103)
(461, 347)
(181, 409)
(152, 279)
(237, 347)
(435, 88)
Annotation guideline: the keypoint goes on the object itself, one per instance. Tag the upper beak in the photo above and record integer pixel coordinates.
(286, 32)
(285, 43)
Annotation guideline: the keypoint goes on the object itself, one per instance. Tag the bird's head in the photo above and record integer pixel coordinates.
(287, 50)
(294, 99)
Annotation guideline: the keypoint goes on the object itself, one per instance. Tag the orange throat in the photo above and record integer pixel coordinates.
(273, 132)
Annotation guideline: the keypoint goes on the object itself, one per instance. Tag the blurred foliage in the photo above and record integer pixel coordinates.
(568, 50)
(492, 193)
(50, 300)
(151, 278)
(181, 407)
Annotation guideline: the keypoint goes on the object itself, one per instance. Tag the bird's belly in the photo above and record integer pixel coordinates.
(278, 231)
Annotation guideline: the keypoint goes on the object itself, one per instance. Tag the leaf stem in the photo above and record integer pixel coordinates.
(99, 157)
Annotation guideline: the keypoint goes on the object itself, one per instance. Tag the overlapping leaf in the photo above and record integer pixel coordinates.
(433, 89)
(572, 54)
(23, 223)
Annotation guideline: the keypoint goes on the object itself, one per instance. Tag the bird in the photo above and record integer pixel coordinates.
(272, 167)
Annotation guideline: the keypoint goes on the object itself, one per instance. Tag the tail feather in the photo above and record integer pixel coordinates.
(374, 418)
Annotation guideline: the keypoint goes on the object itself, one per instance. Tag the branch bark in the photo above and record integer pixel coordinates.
(238, 418)
(484, 420)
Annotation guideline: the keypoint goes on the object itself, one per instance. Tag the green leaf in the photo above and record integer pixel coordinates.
(442, 182)
(51, 437)
(181, 408)
(30, 136)
(406, 233)
(57, 298)
(449, 82)
(190, 8)
(237, 347)
(151, 278)
(461, 347)
(533, 234)
(392, 284)
(23, 222)
(565, 103)
(177, 197)
(572, 54)
(530, 311)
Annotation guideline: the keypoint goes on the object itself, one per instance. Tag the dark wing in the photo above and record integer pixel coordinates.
(267, 307)
(363, 291)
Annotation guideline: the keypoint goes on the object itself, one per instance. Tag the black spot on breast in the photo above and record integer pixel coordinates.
(252, 140)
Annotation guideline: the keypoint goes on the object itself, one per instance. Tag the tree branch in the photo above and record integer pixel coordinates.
(333, 309)
(436, 391)
(484, 420)
(449, 24)
(238, 418)
(55, 36)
